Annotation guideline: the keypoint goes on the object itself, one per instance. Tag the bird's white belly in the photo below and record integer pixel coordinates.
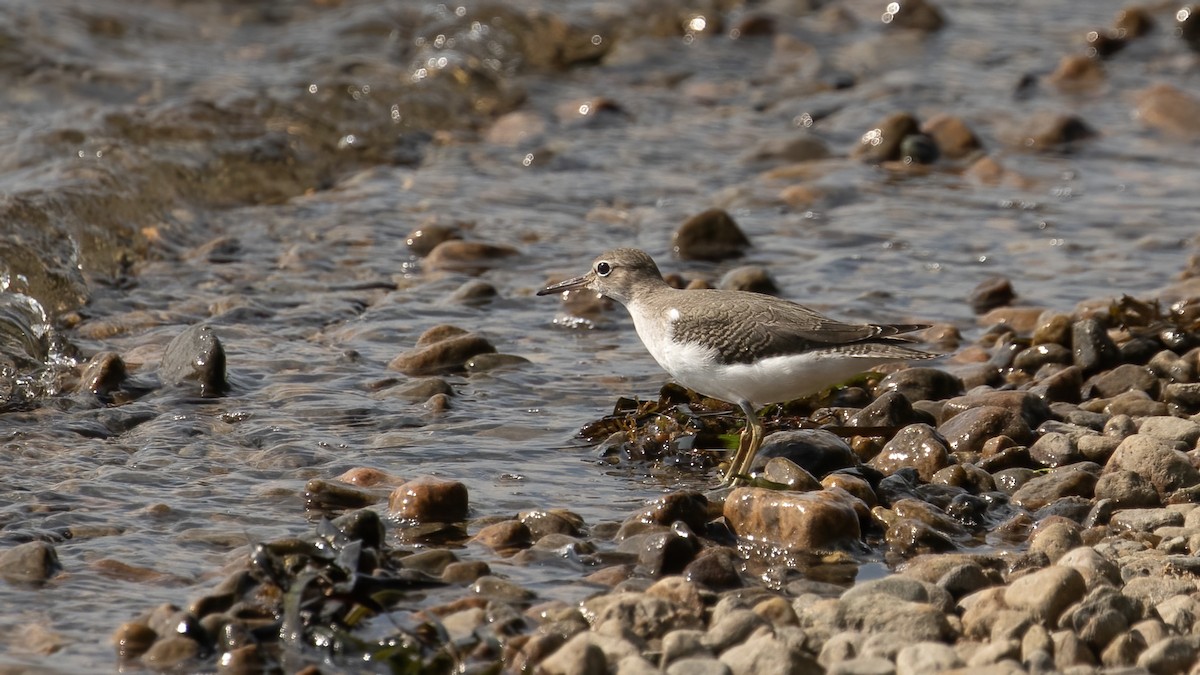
(771, 380)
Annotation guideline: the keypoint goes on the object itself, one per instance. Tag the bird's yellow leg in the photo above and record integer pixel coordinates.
(748, 445)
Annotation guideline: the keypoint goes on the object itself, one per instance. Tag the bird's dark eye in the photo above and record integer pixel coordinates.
(603, 268)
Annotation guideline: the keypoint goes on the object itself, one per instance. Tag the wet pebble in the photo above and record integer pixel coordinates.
(456, 255)
(505, 535)
(749, 278)
(921, 384)
(709, 235)
(816, 451)
(882, 142)
(799, 520)
(917, 446)
(429, 500)
(1170, 110)
(954, 138)
(441, 349)
(195, 357)
(33, 562)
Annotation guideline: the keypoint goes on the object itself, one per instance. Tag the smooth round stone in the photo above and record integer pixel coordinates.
(1054, 449)
(327, 495)
(688, 506)
(1172, 429)
(1156, 461)
(1055, 538)
(441, 349)
(919, 15)
(132, 639)
(487, 362)
(501, 590)
(170, 653)
(426, 237)
(551, 521)
(881, 143)
(857, 486)
(890, 410)
(917, 446)
(752, 278)
(1047, 592)
(920, 384)
(954, 139)
(430, 500)
(790, 475)
(457, 255)
(709, 235)
(969, 430)
(668, 552)
(33, 562)
(1123, 378)
(716, 568)
(1078, 72)
(1035, 357)
(1062, 482)
(1048, 131)
(1127, 490)
(991, 293)
(817, 451)
(505, 535)
(766, 654)
(474, 292)
(1168, 109)
(794, 520)
(804, 148)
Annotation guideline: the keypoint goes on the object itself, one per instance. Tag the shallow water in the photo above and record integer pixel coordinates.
(169, 164)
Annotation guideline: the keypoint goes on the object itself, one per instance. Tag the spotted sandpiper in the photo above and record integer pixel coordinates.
(740, 347)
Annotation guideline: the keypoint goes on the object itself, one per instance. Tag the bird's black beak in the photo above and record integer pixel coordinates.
(568, 285)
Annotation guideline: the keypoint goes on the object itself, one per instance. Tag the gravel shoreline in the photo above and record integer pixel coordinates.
(1029, 506)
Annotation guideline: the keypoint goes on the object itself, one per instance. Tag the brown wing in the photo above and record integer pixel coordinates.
(747, 326)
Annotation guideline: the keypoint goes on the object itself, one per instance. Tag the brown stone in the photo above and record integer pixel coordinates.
(808, 521)
(505, 535)
(457, 255)
(1170, 110)
(917, 446)
(448, 349)
(970, 429)
(952, 135)
(709, 235)
(430, 500)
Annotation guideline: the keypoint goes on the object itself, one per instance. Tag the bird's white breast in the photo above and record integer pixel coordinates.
(771, 380)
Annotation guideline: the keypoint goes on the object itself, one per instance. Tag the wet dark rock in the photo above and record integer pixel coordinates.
(103, 374)
(505, 535)
(914, 14)
(33, 562)
(1033, 358)
(1033, 410)
(1170, 110)
(687, 506)
(807, 521)
(441, 349)
(790, 475)
(456, 255)
(917, 446)
(1123, 378)
(1186, 396)
(991, 293)
(170, 653)
(668, 552)
(474, 292)
(921, 384)
(426, 237)
(132, 639)
(817, 451)
(430, 500)
(749, 278)
(969, 430)
(422, 389)
(882, 142)
(1093, 348)
(709, 235)
(955, 140)
(918, 149)
(1063, 386)
(1054, 449)
(890, 410)
(1048, 131)
(487, 362)
(1156, 461)
(806, 148)
(329, 495)
(1064, 481)
(552, 521)
(1079, 72)
(195, 357)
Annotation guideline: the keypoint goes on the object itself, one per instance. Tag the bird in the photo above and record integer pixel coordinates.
(744, 348)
